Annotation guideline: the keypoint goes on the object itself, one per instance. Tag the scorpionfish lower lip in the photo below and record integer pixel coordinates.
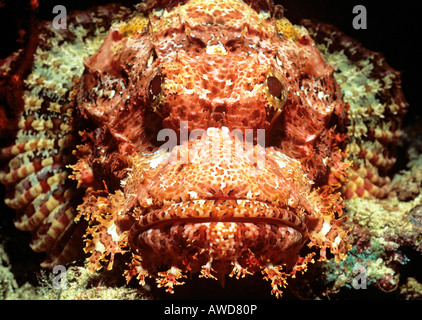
(221, 228)
(229, 210)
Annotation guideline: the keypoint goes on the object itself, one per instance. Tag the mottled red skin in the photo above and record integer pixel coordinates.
(212, 70)
(220, 205)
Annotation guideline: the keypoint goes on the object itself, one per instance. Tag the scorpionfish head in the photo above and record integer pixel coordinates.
(215, 127)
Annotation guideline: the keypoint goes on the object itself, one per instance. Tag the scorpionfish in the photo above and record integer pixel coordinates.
(192, 137)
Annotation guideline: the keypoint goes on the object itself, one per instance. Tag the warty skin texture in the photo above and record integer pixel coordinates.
(222, 198)
(214, 211)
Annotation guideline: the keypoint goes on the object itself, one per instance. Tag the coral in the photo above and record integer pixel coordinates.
(407, 184)
(411, 290)
(9, 287)
(382, 230)
(373, 90)
(7, 280)
(383, 227)
(81, 284)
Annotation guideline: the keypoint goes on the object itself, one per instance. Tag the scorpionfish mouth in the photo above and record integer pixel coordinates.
(220, 198)
(214, 198)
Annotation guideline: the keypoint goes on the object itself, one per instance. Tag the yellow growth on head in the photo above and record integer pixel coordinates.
(286, 29)
(138, 23)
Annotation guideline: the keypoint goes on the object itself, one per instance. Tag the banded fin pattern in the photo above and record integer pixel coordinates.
(36, 174)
